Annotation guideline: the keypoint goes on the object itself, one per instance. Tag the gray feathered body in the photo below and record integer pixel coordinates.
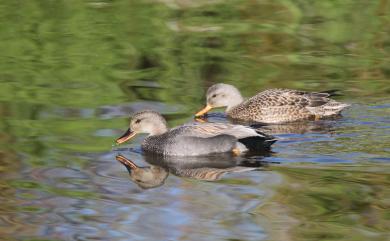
(204, 139)
(285, 105)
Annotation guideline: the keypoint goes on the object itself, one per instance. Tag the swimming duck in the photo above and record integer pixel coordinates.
(273, 105)
(193, 139)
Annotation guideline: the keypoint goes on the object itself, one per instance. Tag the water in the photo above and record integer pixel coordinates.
(71, 72)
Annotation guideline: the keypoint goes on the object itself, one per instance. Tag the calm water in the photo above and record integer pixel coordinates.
(71, 72)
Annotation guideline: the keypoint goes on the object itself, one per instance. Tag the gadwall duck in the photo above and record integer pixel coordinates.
(193, 139)
(273, 105)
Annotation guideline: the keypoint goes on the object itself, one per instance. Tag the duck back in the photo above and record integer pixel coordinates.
(173, 144)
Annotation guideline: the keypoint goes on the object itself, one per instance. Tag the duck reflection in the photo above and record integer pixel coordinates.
(296, 128)
(299, 127)
(206, 168)
(144, 177)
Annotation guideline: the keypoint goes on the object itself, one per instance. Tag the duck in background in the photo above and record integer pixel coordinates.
(272, 106)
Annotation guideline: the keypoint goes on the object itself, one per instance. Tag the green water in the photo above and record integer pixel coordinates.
(71, 72)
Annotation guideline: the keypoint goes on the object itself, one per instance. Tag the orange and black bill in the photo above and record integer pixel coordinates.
(203, 111)
(126, 162)
(125, 137)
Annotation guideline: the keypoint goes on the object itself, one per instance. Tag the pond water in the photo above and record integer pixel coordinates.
(71, 73)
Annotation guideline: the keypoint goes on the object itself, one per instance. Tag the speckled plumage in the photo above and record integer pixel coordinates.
(274, 105)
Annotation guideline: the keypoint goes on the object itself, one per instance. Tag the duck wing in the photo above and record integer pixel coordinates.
(250, 138)
(206, 130)
(288, 97)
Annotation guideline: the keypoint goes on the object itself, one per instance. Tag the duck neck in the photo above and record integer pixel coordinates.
(234, 101)
(158, 130)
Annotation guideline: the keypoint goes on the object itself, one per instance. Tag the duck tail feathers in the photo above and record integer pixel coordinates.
(329, 109)
(260, 142)
(332, 92)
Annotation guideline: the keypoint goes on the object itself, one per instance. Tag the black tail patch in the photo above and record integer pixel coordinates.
(258, 143)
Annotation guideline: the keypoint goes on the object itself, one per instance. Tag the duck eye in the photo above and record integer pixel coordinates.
(214, 95)
(137, 121)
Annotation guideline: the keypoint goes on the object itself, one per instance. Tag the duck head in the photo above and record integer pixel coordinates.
(149, 122)
(221, 95)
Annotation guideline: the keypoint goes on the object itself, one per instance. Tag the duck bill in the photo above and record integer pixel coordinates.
(126, 162)
(203, 111)
(125, 137)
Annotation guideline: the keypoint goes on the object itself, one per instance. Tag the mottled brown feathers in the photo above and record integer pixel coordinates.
(285, 105)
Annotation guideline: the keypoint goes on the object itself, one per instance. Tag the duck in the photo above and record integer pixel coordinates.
(272, 106)
(194, 139)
